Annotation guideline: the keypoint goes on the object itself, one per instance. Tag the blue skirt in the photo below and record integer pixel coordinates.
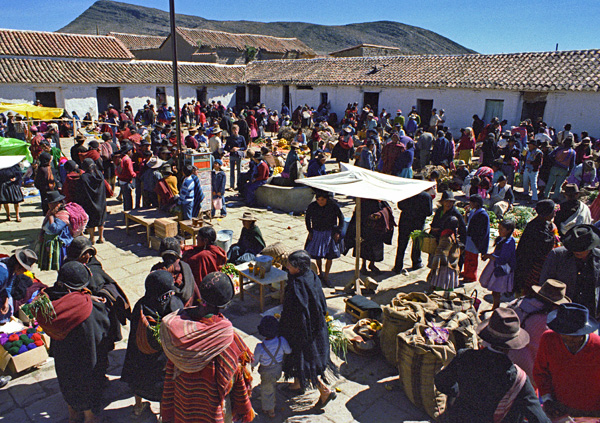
(322, 245)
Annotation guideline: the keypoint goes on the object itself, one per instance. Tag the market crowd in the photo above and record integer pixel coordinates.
(540, 341)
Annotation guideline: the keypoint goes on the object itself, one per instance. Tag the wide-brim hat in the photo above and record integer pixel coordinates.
(582, 238)
(54, 197)
(571, 319)
(167, 169)
(448, 196)
(216, 130)
(476, 198)
(216, 289)
(26, 257)
(248, 216)
(552, 291)
(295, 144)
(155, 163)
(126, 148)
(74, 275)
(461, 163)
(570, 189)
(79, 246)
(80, 138)
(503, 329)
(94, 144)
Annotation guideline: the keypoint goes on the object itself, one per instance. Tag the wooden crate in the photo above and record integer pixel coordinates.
(165, 227)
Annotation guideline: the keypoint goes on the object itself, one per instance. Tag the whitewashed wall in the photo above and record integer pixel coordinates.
(580, 109)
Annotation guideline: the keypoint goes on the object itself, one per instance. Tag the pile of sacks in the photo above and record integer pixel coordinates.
(421, 334)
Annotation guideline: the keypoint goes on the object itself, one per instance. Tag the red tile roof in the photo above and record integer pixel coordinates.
(138, 42)
(220, 39)
(54, 44)
(39, 71)
(363, 45)
(548, 71)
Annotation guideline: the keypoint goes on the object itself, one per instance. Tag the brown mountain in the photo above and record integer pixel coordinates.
(105, 16)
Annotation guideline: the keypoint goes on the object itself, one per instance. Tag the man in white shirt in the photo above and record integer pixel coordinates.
(542, 136)
(563, 135)
(434, 120)
(214, 143)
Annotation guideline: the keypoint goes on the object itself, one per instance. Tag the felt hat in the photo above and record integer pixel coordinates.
(106, 136)
(217, 289)
(571, 319)
(145, 141)
(164, 150)
(532, 141)
(216, 130)
(448, 196)
(124, 149)
(503, 329)
(74, 275)
(26, 257)
(570, 190)
(54, 197)
(268, 327)
(552, 291)
(248, 216)
(80, 138)
(476, 198)
(190, 130)
(167, 169)
(157, 284)
(295, 144)
(257, 155)
(10, 114)
(582, 238)
(79, 246)
(155, 163)
(45, 158)
(170, 246)
(545, 207)
(93, 144)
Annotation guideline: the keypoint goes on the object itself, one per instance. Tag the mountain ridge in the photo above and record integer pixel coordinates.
(322, 39)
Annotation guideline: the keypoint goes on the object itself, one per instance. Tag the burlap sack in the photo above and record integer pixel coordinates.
(279, 252)
(419, 359)
(401, 315)
(457, 314)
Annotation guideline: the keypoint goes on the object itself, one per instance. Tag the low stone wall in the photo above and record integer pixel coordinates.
(287, 199)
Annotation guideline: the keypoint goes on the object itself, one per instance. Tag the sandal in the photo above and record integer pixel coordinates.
(298, 391)
(332, 395)
(138, 411)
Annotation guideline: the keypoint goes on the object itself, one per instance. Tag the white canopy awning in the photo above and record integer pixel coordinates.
(355, 181)
(9, 161)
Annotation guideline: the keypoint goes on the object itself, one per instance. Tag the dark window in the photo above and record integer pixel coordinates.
(324, 98)
(106, 96)
(47, 98)
(240, 96)
(371, 99)
(253, 94)
(534, 105)
(202, 95)
(286, 95)
(305, 87)
(161, 96)
(424, 110)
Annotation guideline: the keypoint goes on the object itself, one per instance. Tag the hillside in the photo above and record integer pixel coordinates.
(323, 39)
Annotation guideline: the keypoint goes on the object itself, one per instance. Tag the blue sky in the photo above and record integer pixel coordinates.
(483, 25)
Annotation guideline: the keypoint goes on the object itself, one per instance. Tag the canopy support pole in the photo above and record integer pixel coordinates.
(357, 246)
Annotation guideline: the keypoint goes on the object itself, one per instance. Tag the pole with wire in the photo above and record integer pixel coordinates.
(176, 83)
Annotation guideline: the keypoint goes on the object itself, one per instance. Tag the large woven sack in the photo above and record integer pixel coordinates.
(419, 359)
(401, 315)
(460, 325)
(278, 251)
(452, 300)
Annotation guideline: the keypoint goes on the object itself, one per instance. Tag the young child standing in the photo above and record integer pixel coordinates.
(498, 275)
(269, 354)
(218, 188)
(478, 236)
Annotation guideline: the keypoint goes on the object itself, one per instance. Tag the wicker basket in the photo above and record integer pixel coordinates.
(428, 245)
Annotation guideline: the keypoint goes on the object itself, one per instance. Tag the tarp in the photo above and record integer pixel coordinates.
(9, 161)
(15, 147)
(355, 181)
(31, 111)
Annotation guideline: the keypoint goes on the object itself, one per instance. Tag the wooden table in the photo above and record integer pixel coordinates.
(186, 226)
(271, 277)
(144, 217)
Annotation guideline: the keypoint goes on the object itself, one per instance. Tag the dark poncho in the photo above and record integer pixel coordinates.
(79, 357)
(374, 233)
(145, 361)
(91, 195)
(10, 191)
(251, 240)
(303, 325)
(185, 286)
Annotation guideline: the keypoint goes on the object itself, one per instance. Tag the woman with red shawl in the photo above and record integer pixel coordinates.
(205, 257)
(206, 376)
(466, 146)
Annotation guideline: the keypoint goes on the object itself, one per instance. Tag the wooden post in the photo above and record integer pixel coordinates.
(357, 247)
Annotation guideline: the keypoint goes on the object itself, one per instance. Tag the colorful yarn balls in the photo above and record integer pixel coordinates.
(17, 344)
(13, 337)
(23, 349)
(31, 330)
(36, 337)
(13, 350)
(7, 345)
(39, 343)
(39, 329)
(31, 346)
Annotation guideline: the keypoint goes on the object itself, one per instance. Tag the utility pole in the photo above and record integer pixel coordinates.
(176, 83)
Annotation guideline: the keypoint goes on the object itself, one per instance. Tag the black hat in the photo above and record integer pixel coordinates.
(159, 284)
(79, 246)
(571, 319)
(80, 139)
(93, 144)
(582, 238)
(124, 149)
(170, 246)
(70, 166)
(45, 158)
(54, 197)
(268, 327)
(146, 142)
(503, 329)
(217, 289)
(570, 190)
(545, 207)
(448, 196)
(476, 198)
(26, 257)
(106, 136)
(532, 141)
(74, 275)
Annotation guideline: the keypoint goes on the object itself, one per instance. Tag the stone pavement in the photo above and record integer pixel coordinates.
(368, 388)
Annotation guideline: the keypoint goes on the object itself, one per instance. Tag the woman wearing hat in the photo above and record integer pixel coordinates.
(91, 195)
(250, 242)
(344, 149)
(145, 360)
(46, 179)
(446, 211)
(207, 360)
(78, 148)
(572, 211)
(577, 264)
(484, 385)
(17, 283)
(533, 310)
(445, 263)
(303, 326)
(183, 277)
(56, 233)
(478, 236)
(79, 332)
(566, 370)
(259, 176)
(538, 239)
(10, 189)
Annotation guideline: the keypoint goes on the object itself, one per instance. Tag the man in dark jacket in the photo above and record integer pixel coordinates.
(414, 212)
(577, 264)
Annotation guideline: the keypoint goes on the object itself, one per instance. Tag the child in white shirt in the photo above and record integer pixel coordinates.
(269, 354)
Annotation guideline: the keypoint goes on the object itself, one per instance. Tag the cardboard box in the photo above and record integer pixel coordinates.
(24, 361)
(24, 317)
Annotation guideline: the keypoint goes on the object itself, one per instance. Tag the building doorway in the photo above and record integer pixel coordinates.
(286, 95)
(372, 99)
(106, 96)
(253, 95)
(202, 95)
(240, 96)
(534, 105)
(424, 110)
(493, 109)
(47, 98)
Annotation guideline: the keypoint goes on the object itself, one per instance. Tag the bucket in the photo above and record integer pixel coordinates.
(224, 239)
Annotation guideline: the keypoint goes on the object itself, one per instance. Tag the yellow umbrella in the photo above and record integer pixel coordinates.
(33, 112)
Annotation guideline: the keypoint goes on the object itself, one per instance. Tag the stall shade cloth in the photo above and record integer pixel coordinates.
(15, 147)
(31, 111)
(354, 181)
(9, 161)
